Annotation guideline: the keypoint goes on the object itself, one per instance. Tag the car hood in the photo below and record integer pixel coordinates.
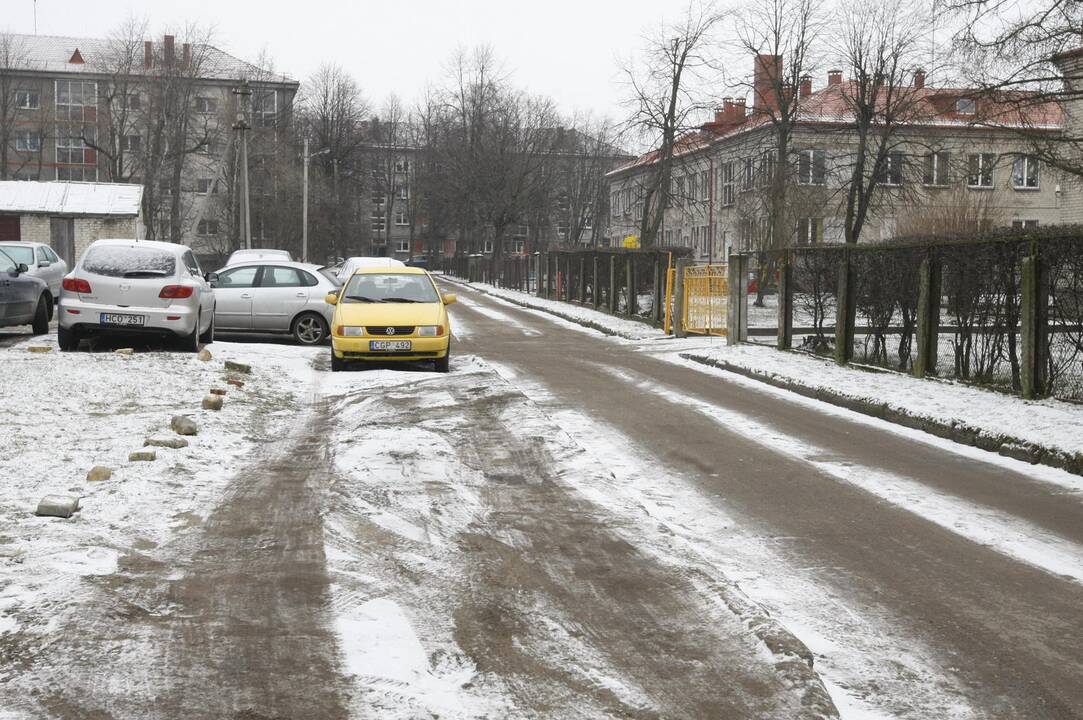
(388, 313)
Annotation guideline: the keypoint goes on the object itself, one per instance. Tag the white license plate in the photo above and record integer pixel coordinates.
(121, 319)
(390, 345)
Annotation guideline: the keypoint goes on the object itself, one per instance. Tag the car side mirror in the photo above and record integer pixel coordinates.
(44, 264)
(212, 278)
(449, 299)
(21, 268)
(331, 298)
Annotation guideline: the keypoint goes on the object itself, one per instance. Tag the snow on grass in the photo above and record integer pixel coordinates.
(609, 324)
(67, 412)
(998, 530)
(1047, 423)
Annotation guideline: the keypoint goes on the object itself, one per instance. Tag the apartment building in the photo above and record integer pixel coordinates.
(96, 110)
(959, 154)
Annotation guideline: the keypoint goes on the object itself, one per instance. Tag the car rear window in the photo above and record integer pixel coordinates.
(130, 262)
(20, 254)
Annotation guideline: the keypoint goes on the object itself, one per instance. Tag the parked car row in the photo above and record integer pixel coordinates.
(387, 311)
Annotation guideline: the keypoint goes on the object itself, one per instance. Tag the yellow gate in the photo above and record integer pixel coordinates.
(706, 292)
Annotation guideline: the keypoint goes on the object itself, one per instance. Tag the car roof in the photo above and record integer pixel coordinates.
(18, 243)
(391, 270)
(280, 263)
(167, 246)
(261, 251)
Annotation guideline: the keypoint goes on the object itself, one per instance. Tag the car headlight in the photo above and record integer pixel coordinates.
(430, 331)
(350, 331)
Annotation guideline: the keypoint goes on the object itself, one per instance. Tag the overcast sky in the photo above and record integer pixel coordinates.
(567, 49)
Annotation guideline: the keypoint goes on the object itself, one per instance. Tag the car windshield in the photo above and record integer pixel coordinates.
(129, 262)
(390, 288)
(19, 254)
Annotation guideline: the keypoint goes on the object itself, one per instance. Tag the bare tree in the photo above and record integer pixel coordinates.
(388, 162)
(20, 108)
(665, 105)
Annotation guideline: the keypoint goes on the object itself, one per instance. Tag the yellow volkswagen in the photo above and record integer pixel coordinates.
(390, 314)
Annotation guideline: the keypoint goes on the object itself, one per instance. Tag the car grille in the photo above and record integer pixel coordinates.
(396, 330)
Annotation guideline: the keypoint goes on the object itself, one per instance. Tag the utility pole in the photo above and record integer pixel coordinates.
(242, 126)
(304, 200)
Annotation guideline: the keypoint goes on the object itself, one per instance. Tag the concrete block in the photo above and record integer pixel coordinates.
(174, 443)
(39, 349)
(124, 351)
(183, 425)
(99, 473)
(238, 367)
(142, 456)
(61, 506)
(236, 382)
(212, 402)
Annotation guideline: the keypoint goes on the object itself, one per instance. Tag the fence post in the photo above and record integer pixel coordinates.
(737, 302)
(659, 289)
(928, 318)
(678, 299)
(611, 301)
(785, 302)
(1034, 318)
(846, 312)
(595, 295)
(630, 272)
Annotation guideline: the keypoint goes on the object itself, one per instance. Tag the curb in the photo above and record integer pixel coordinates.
(578, 321)
(959, 432)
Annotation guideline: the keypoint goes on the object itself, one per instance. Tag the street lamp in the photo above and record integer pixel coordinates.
(242, 126)
(304, 200)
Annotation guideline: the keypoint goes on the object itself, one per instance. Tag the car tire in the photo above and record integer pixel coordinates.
(40, 325)
(190, 342)
(68, 339)
(309, 329)
(337, 363)
(443, 364)
(50, 304)
(208, 337)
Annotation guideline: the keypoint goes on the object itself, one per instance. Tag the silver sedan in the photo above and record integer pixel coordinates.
(42, 263)
(274, 297)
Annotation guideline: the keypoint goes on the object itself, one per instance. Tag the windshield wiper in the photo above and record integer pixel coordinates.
(362, 298)
(402, 300)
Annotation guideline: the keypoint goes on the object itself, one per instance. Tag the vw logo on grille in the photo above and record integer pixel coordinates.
(391, 331)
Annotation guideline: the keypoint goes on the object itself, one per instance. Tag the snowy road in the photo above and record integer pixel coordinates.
(929, 581)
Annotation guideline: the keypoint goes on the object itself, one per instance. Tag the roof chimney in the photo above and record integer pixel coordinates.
(186, 54)
(806, 86)
(834, 77)
(170, 55)
(766, 74)
(148, 54)
(727, 111)
(739, 109)
(919, 78)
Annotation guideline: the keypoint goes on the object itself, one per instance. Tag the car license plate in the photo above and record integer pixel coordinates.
(390, 345)
(122, 319)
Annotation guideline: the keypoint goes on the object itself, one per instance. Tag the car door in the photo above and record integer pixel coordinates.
(59, 267)
(47, 271)
(281, 295)
(7, 293)
(233, 293)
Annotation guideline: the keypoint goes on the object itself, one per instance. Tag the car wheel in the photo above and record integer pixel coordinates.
(68, 339)
(190, 342)
(208, 337)
(41, 317)
(337, 363)
(443, 364)
(50, 304)
(309, 329)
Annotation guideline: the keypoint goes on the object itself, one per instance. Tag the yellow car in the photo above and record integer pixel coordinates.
(390, 314)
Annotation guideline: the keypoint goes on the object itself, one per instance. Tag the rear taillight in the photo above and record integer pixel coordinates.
(175, 292)
(76, 285)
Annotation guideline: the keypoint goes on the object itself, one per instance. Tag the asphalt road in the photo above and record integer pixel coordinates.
(1005, 637)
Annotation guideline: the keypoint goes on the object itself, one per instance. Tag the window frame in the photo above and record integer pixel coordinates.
(937, 169)
(1028, 162)
(983, 170)
(812, 167)
(35, 94)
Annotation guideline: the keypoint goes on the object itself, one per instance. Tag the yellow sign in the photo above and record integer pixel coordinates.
(631, 242)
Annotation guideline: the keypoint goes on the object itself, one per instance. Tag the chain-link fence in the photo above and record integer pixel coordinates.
(1064, 265)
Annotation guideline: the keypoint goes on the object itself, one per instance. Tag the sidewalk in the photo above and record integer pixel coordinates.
(1049, 432)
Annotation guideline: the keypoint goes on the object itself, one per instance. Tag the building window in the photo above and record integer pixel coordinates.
(562, 231)
(206, 228)
(379, 222)
(1024, 224)
(750, 171)
(488, 248)
(680, 191)
(810, 231)
(76, 101)
(746, 235)
(378, 198)
(966, 106)
(936, 168)
(892, 172)
(1025, 173)
(588, 221)
(206, 105)
(404, 192)
(132, 143)
(27, 141)
(71, 149)
(132, 101)
(811, 167)
(980, 170)
(402, 245)
(27, 99)
(400, 218)
(518, 247)
(728, 194)
(206, 186)
(402, 165)
(264, 108)
(767, 168)
(704, 186)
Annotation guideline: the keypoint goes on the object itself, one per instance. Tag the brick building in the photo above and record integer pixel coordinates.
(958, 152)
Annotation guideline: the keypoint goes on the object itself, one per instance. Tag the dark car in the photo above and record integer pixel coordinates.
(24, 299)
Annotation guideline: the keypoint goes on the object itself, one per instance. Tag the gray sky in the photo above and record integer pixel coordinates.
(567, 49)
